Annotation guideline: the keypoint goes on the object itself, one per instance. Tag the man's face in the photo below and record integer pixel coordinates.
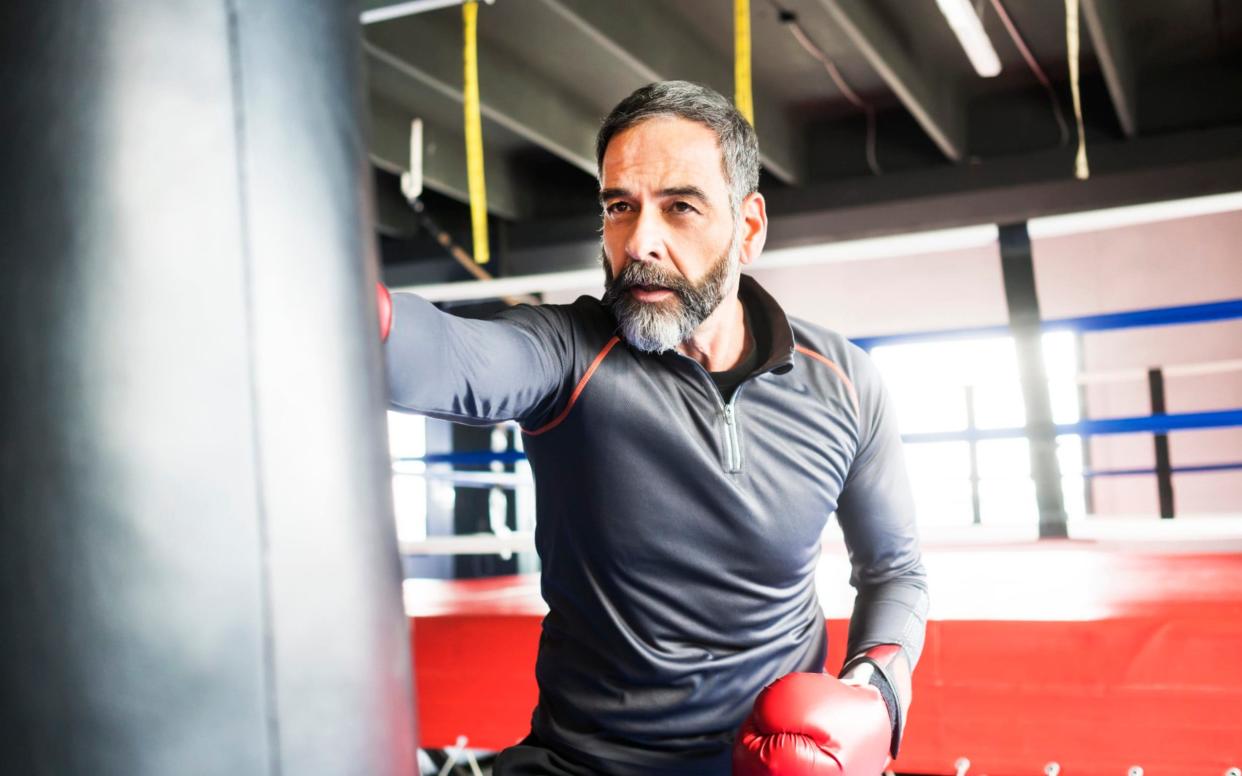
(671, 242)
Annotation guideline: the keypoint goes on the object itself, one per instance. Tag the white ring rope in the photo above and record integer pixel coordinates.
(1173, 370)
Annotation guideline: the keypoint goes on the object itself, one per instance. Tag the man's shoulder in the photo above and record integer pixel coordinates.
(589, 315)
(583, 323)
(589, 307)
(835, 351)
(826, 342)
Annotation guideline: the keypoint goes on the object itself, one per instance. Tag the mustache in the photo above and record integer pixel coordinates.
(641, 274)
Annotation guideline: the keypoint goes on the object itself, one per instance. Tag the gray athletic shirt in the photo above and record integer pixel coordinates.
(678, 534)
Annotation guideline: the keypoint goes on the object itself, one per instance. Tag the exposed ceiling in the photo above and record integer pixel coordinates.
(1161, 90)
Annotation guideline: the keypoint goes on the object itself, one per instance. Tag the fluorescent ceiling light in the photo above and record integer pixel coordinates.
(912, 244)
(396, 10)
(969, 31)
(1119, 217)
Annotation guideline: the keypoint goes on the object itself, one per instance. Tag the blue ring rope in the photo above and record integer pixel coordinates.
(1157, 316)
(472, 458)
(1154, 424)
(1209, 467)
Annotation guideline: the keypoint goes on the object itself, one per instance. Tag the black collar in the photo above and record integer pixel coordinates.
(777, 346)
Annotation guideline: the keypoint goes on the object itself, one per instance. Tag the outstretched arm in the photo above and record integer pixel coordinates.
(510, 367)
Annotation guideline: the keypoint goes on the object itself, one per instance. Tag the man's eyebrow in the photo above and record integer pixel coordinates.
(673, 191)
(685, 191)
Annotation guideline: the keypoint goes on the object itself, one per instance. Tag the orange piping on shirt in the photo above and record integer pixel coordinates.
(573, 398)
(849, 386)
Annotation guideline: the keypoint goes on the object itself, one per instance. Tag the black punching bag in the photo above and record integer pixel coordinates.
(198, 567)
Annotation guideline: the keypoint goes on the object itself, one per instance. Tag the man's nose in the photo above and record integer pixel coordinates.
(646, 238)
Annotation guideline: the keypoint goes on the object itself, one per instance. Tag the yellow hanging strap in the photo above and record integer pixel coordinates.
(474, 133)
(741, 60)
(1081, 171)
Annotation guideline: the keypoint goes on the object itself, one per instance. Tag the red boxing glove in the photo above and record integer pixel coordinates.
(814, 725)
(384, 304)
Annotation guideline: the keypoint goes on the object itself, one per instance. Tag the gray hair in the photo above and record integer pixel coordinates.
(739, 148)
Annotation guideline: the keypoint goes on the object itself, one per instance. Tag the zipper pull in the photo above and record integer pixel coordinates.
(733, 459)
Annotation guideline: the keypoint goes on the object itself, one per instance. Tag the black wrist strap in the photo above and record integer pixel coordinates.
(879, 682)
(892, 703)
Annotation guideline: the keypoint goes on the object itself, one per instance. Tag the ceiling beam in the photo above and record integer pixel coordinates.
(926, 92)
(1131, 172)
(1104, 27)
(428, 49)
(650, 45)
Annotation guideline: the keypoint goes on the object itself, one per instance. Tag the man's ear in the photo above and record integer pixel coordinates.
(754, 227)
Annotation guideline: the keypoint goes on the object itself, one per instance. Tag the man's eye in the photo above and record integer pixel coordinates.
(682, 207)
(617, 208)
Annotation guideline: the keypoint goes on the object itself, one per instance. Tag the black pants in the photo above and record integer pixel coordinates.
(530, 757)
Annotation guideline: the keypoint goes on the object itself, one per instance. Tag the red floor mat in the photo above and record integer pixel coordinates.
(1091, 655)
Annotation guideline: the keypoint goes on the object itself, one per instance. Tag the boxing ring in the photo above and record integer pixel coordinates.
(1115, 648)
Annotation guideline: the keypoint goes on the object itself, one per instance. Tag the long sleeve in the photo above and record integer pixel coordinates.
(513, 366)
(876, 514)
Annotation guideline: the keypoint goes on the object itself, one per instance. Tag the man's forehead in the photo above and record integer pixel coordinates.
(663, 152)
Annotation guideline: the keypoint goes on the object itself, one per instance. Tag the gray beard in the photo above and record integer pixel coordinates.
(655, 327)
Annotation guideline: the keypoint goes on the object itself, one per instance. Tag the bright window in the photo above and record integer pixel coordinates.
(939, 386)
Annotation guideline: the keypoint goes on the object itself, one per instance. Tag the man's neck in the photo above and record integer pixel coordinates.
(721, 342)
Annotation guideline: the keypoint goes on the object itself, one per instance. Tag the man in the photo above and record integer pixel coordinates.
(689, 442)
